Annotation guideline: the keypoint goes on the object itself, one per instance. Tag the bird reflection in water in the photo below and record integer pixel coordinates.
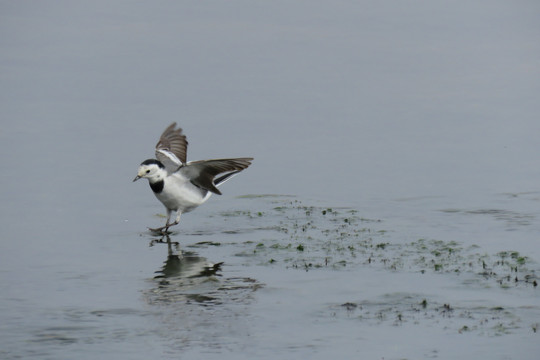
(185, 276)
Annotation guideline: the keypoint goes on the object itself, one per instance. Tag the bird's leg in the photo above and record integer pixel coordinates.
(168, 218)
(166, 227)
(178, 214)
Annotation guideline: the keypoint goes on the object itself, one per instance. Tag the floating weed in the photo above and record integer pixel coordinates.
(398, 308)
(311, 238)
(205, 244)
(236, 213)
(325, 236)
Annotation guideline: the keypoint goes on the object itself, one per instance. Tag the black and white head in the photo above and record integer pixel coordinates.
(152, 170)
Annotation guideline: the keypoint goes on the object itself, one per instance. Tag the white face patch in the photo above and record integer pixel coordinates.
(148, 171)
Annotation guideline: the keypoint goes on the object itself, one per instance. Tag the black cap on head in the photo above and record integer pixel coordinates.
(153, 161)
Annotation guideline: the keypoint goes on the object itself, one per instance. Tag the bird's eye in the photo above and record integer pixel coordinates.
(147, 171)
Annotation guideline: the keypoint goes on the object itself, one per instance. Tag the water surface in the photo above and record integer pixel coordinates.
(392, 210)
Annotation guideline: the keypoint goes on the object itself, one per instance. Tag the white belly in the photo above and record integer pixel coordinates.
(179, 194)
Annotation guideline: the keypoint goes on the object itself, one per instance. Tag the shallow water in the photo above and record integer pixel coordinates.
(274, 275)
(392, 210)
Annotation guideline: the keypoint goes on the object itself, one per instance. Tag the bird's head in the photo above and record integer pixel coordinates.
(151, 169)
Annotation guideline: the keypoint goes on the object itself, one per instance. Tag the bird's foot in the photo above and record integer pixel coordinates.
(164, 230)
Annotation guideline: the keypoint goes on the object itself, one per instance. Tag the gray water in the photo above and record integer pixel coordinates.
(392, 210)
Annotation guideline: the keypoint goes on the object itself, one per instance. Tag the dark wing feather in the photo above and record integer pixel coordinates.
(173, 141)
(201, 173)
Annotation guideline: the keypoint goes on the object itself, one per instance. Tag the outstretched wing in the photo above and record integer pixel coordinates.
(202, 173)
(171, 148)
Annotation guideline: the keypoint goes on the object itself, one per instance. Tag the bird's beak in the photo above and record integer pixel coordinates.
(136, 178)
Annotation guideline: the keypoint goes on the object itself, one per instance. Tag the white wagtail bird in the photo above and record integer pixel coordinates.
(182, 186)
